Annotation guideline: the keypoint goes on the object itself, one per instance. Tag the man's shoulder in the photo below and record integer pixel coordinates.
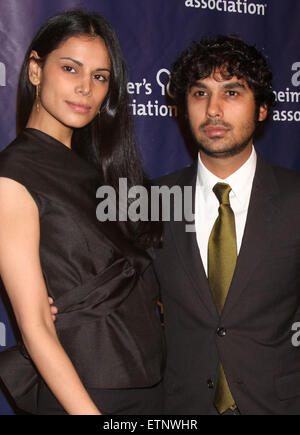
(285, 183)
(288, 180)
(174, 177)
(284, 176)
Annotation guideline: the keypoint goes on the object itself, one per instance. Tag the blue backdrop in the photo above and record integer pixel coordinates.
(152, 34)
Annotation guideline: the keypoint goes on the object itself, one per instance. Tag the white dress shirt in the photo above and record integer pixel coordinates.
(207, 204)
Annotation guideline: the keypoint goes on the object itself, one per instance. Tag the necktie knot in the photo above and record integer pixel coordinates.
(222, 190)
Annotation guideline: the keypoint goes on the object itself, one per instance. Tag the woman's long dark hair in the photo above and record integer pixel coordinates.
(108, 141)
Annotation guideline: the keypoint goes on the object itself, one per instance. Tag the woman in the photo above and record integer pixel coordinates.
(105, 355)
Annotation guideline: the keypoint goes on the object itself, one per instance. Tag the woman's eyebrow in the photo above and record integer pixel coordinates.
(81, 64)
(73, 60)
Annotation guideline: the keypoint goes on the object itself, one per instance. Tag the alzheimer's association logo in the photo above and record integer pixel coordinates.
(288, 99)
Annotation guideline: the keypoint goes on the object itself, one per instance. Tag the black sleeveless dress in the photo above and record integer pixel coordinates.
(103, 286)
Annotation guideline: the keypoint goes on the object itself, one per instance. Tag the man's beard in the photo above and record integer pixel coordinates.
(233, 148)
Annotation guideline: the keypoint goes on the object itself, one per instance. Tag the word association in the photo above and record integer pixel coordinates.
(237, 6)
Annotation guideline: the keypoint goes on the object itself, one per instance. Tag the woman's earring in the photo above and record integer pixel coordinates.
(37, 97)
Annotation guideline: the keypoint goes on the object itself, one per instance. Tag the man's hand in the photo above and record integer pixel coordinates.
(53, 309)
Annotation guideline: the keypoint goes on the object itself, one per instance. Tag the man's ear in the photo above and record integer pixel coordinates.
(35, 69)
(263, 112)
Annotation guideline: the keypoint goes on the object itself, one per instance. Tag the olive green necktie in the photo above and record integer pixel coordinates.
(222, 255)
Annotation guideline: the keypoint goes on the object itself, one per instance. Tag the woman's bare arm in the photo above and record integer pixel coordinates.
(23, 278)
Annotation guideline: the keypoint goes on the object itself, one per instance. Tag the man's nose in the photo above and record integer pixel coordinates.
(214, 107)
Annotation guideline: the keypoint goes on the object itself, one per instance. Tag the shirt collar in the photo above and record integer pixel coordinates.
(240, 181)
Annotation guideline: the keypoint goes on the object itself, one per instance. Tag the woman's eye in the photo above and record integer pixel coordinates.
(68, 68)
(100, 77)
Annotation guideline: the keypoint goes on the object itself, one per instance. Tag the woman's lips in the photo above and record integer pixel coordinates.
(79, 108)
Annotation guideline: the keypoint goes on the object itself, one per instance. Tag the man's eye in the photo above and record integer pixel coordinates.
(232, 93)
(199, 93)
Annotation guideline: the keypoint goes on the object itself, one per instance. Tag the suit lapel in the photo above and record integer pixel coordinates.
(258, 231)
(187, 246)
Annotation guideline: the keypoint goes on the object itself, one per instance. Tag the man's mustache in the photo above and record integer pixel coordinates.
(216, 122)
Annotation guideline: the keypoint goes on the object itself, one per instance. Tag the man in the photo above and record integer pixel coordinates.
(231, 290)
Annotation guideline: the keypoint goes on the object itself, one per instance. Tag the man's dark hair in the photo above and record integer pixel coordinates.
(228, 55)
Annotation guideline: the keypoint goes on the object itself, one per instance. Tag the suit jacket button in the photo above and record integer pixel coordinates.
(210, 384)
(221, 332)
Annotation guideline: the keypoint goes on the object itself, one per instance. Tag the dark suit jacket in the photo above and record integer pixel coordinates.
(255, 346)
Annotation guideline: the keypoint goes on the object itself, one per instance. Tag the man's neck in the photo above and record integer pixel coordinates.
(224, 167)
